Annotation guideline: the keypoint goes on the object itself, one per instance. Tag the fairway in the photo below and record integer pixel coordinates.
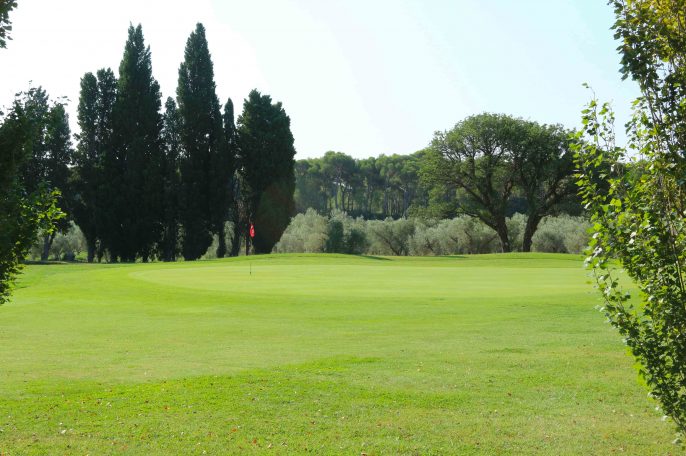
(319, 354)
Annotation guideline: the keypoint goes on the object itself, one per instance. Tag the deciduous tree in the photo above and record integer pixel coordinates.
(5, 24)
(639, 217)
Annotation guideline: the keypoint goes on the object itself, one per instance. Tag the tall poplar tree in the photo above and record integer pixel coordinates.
(94, 145)
(205, 167)
(267, 164)
(136, 167)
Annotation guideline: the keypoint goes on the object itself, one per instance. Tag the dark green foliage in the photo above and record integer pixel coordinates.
(234, 195)
(638, 214)
(267, 165)
(344, 235)
(171, 135)
(5, 24)
(222, 192)
(49, 149)
(89, 183)
(88, 164)
(206, 163)
(387, 186)
(85, 179)
(134, 170)
(61, 156)
(335, 242)
(23, 212)
(338, 170)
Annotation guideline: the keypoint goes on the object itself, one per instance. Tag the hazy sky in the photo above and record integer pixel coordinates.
(361, 77)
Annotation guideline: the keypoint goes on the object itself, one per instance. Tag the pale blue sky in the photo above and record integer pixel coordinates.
(361, 77)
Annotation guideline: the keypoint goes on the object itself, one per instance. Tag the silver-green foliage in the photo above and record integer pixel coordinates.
(67, 246)
(339, 233)
(562, 234)
(306, 233)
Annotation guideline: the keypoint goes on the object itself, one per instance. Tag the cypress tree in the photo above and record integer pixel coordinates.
(234, 182)
(222, 171)
(204, 167)
(171, 134)
(267, 165)
(107, 96)
(136, 165)
(86, 158)
(90, 189)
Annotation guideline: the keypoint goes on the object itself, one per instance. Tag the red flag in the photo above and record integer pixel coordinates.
(252, 230)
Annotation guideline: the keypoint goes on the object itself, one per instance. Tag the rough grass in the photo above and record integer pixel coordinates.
(321, 354)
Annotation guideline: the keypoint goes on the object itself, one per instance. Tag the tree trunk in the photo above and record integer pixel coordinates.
(221, 248)
(47, 243)
(531, 226)
(91, 251)
(501, 229)
(236, 240)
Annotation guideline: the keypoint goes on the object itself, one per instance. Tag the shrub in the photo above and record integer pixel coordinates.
(562, 234)
(391, 237)
(65, 247)
(307, 233)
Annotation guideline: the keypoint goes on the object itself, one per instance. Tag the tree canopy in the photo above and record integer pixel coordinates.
(488, 159)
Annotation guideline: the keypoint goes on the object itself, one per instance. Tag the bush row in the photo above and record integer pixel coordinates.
(311, 232)
(339, 233)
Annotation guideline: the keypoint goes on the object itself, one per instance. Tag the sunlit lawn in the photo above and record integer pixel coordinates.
(501, 354)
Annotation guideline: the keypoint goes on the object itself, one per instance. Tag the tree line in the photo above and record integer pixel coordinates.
(489, 166)
(145, 182)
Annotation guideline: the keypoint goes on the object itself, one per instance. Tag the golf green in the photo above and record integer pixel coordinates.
(320, 354)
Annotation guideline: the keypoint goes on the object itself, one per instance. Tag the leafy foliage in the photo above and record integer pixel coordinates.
(640, 220)
(49, 154)
(5, 24)
(338, 232)
(374, 188)
(486, 160)
(23, 213)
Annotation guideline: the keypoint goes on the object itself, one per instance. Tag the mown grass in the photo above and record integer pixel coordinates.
(289, 354)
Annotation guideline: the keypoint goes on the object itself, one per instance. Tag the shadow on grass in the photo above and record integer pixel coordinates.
(49, 263)
(372, 257)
